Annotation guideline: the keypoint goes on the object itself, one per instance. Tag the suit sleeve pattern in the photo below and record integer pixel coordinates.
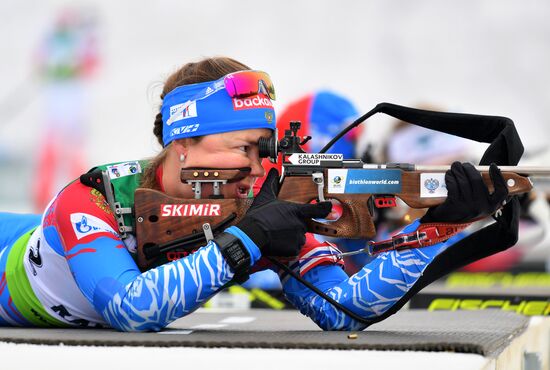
(369, 293)
(159, 296)
(108, 277)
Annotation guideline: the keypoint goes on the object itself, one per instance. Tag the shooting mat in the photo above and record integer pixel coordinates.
(485, 332)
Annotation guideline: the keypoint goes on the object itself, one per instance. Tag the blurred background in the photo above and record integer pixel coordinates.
(80, 84)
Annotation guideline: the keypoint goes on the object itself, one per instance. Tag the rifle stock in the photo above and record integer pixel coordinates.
(162, 220)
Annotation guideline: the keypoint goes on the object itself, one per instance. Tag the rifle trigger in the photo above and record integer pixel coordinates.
(319, 179)
(207, 232)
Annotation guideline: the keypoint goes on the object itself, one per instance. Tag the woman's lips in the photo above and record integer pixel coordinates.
(242, 190)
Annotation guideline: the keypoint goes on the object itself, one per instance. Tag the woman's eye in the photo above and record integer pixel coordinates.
(243, 148)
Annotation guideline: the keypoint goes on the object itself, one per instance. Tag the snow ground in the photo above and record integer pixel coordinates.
(26, 356)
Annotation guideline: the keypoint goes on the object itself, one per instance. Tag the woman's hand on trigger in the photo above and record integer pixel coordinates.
(278, 227)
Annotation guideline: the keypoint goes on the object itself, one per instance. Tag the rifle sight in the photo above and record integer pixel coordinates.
(289, 144)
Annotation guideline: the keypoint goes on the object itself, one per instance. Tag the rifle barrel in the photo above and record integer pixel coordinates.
(535, 171)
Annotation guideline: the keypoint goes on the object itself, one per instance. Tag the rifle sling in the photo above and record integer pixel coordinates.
(505, 146)
(426, 235)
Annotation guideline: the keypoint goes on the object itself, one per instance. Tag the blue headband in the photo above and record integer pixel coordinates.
(206, 108)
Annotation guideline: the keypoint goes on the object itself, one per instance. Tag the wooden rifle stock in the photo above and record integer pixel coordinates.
(169, 228)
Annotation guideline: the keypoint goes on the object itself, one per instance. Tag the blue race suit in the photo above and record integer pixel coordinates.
(70, 267)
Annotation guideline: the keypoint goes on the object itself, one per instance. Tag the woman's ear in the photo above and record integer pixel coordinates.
(181, 147)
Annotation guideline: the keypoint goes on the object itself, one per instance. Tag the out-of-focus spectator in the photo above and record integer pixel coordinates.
(418, 145)
(322, 114)
(66, 58)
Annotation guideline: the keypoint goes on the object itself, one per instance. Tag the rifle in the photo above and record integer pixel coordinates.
(169, 228)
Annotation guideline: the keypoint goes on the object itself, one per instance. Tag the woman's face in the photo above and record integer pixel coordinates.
(227, 150)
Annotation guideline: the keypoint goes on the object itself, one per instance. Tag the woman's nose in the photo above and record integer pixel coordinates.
(256, 169)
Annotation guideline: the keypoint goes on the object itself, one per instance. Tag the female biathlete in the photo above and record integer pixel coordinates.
(70, 266)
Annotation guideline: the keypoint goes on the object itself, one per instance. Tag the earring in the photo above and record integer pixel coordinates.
(182, 157)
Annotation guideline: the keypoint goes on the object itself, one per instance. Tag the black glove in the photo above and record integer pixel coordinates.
(468, 197)
(278, 227)
(508, 222)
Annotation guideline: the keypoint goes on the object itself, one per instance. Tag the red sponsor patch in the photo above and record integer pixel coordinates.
(258, 101)
(174, 256)
(183, 210)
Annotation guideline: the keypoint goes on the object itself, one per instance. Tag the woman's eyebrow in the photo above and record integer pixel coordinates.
(249, 138)
(252, 139)
(248, 141)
